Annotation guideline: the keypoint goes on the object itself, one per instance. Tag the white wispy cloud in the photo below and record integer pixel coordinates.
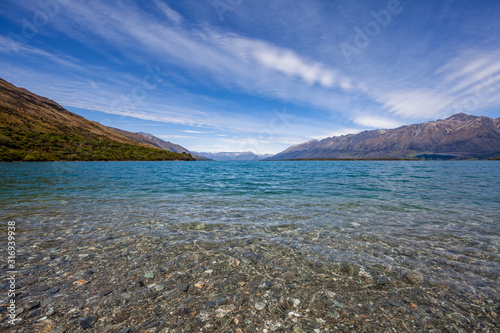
(471, 73)
(173, 137)
(420, 103)
(8, 46)
(171, 14)
(377, 122)
(282, 60)
(339, 132)
(195, 132)
(468, 83)
(236, 63)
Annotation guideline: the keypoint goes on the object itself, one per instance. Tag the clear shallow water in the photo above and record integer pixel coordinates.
(441, 219)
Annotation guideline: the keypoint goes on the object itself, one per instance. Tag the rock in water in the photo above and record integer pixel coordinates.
(338, 304)
(234, 262)
(210, 304)
(183, 287)
(260, 306)
(86, 322)
(412, 278)
(383, 280)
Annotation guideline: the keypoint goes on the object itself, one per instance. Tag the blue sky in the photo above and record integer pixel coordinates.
(241, 75)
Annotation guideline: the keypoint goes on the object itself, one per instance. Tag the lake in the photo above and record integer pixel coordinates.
(439, 220)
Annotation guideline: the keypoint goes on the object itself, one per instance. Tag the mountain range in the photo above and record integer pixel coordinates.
(35, 128)
(460, 136)
(152, 140)
(234, 156)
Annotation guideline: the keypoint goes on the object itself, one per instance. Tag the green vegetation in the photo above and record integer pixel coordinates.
(20, 141)
(31, 146)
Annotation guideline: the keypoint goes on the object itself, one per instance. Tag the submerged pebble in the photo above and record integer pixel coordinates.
(383, 280)
(412, 278)
(183, 287)
(86, 322)
(260, 306)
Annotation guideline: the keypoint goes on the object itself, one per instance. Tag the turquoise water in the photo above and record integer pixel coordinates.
(441, 219)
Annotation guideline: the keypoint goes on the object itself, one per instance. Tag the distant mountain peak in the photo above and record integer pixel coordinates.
(234, 156)
(462, 116)
(150, 139)
(460, 136)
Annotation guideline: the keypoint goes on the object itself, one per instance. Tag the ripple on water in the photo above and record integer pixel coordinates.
(425, 217)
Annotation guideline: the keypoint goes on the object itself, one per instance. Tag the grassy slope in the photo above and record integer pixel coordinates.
(33, 128)
(21, 141)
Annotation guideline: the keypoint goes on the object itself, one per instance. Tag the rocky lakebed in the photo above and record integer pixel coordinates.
(204, 278)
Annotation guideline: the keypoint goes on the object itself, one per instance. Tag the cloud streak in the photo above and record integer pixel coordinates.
(171, 14)
(240, 64)
(228, 76)
(466, 83)
(377, 122)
